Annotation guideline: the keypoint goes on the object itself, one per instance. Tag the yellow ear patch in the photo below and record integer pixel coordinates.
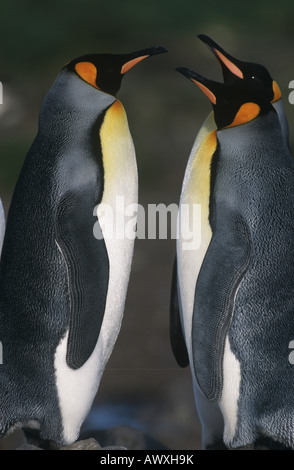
(128, 65)
(247, 112)
(206, 91)
(232, 67)
(88, 72)
(277, 92)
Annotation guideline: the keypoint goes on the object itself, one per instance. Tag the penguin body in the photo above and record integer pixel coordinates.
(236, 73)
(246, 285)
(62, 289)
(238, 332)
(244, 75)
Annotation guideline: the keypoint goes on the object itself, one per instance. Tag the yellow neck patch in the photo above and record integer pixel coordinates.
(247, 112)
(197, 182)
(88, 72)
(116, 145)
(198, 185)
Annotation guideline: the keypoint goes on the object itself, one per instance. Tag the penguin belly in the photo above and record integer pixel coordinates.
(196, 190)
(77, 388)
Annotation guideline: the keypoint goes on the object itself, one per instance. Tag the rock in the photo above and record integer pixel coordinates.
(88, 444)
(114, 448)
(28, 447)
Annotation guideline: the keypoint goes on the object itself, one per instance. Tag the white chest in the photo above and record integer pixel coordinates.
(77, 388)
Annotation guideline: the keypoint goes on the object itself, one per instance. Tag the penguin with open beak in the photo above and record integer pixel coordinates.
(237, 311)
(252, 76)
(63, 281)
(236, 73)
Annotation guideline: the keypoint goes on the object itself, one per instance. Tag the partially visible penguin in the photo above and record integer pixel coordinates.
(2, 225)
(240, 322)
(62, 289)
(236, 73)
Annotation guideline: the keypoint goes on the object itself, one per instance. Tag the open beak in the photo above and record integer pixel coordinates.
(226, 60)
(203, 83)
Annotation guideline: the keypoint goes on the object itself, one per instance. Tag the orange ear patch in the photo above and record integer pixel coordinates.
(88, 72)
(232, 67)
(130, 64)
(206, 91)
(277, 92)
(247, 112)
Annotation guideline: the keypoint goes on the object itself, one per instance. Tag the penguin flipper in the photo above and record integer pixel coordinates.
(87, 264)
(177, 339)
(225, 263)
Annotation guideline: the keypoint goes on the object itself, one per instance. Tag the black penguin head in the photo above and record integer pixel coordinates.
(233, 106)
(105, 71)
(244, 74)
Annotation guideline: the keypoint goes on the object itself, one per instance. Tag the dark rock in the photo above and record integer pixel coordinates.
(88, 444)
(28, 447)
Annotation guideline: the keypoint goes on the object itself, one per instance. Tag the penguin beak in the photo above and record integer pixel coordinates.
(203, 83)
(226, 60)
(136, 57)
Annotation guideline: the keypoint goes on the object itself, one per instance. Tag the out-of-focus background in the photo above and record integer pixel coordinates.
(142, 386)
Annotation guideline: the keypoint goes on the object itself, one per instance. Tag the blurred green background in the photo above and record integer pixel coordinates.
(165, 112)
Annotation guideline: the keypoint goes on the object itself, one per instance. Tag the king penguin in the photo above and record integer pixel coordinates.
(237, 73)
(63, 285)
(249, 75)
(238, 319)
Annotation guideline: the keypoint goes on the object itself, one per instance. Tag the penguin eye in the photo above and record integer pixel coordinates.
(257, 79)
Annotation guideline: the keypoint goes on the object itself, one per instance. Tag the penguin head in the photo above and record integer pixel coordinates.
(105, 71)
(244, 74)
(233, 106)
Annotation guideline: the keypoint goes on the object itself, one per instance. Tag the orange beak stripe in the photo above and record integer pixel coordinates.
(130, 64)
(206, 91)
(232, 67)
